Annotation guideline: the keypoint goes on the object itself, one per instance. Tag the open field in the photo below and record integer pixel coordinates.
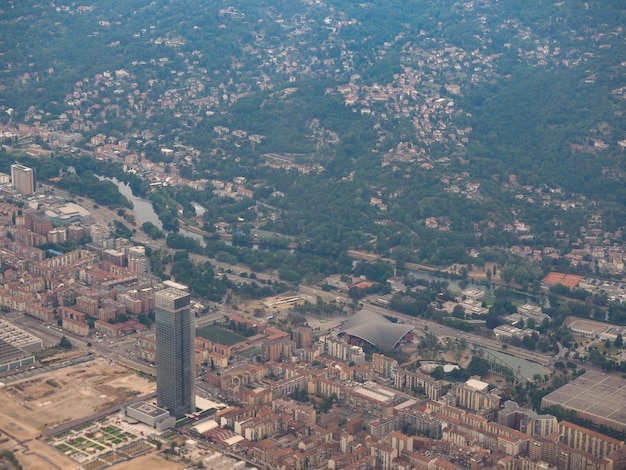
(34, 405)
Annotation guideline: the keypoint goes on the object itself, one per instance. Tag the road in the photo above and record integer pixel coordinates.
(442, 330)
(120, 350)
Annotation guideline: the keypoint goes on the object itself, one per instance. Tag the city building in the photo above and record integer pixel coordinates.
(174, 352)
(12, 358)
(276, 349)
(19, 338)
(474, 395)
(23, 179)
(302, 337)
(384, 365)
(526, 420)
(587, 440)
(151, 415)
(418, 381)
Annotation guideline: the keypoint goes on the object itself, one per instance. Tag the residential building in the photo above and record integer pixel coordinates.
(23, 179)
(526, 420)
(586, 440)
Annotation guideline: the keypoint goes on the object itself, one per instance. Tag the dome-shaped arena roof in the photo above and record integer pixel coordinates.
(375, 329)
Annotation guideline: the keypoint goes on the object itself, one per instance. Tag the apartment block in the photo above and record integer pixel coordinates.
(586, 440)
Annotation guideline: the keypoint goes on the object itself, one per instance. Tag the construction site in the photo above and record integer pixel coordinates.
(42, 416)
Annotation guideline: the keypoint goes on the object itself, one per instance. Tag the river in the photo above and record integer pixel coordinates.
(144, 212)
(524, 367)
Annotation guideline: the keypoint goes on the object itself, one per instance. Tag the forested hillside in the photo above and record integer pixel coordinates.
(425, 131)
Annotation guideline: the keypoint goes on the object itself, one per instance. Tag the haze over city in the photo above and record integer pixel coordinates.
(312, 234)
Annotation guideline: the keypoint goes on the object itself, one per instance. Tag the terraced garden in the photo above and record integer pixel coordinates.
(89, 441)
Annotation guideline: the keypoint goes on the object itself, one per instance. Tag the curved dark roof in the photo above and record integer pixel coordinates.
(375, 329)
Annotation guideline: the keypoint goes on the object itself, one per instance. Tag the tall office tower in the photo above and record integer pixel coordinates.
(175, 358)
(23, 179)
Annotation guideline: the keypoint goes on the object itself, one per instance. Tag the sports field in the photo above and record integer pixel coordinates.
(219, 335)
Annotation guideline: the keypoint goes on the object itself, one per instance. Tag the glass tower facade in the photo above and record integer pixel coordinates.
(175, 358)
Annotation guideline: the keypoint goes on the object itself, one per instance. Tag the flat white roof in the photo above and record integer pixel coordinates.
(206, 404)
(477, 385)
(205, 426)
(234, 440)
(372, 394)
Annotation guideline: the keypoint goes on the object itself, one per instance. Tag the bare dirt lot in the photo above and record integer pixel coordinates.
(149, 461)
(39, 456)
(274, 305)
(30, 406)
(69, 393)
(278, 307)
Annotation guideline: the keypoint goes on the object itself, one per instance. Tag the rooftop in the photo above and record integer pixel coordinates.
(148, 409)
(18, 337)
(375, 329)
(171, 293)
(9, 353)
(477, 385)
(593, 393)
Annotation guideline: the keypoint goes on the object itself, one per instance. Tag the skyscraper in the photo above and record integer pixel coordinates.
(23, 179)
(174, 352)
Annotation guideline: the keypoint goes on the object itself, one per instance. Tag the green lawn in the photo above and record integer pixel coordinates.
(251, 352)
